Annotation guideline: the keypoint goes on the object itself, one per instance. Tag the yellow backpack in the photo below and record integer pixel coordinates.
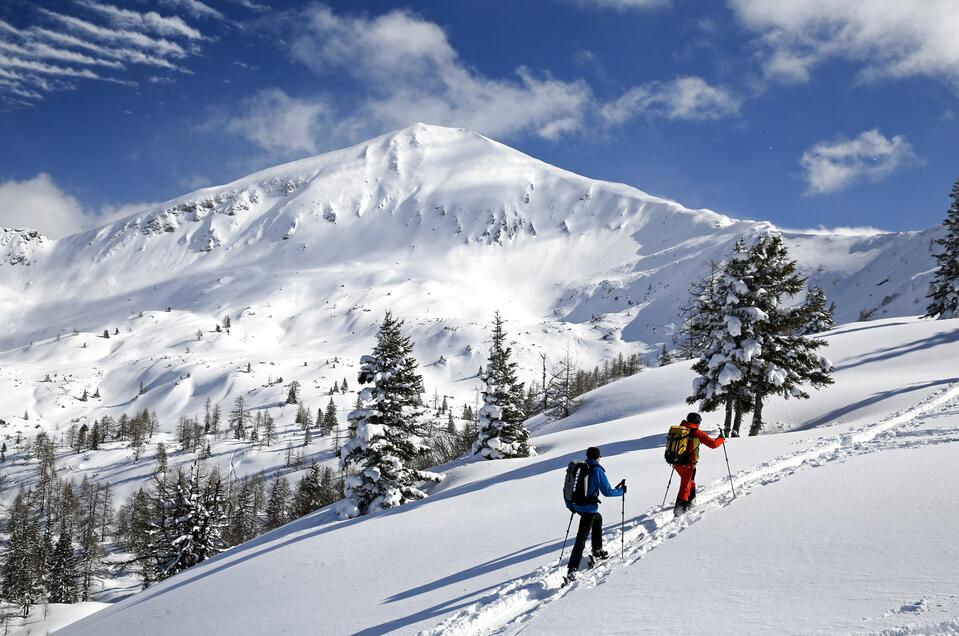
(682, 447)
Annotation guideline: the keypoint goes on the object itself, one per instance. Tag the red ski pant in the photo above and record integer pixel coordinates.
(687, 485)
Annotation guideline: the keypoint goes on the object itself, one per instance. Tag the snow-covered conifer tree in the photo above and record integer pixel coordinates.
(944, 289)
(754, 348)
(727, 325)
(388, 432)
(785, 360)
(501, 433)
(817, 313)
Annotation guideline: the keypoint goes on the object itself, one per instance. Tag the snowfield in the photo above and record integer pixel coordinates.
(443, 227)
(842, 524)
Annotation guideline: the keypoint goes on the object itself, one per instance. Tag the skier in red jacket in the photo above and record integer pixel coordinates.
(687, 469)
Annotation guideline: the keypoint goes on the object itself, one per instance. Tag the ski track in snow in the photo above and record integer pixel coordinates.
(509, 608)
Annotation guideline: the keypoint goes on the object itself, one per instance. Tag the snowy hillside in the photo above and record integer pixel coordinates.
(838, 525)
(442, 226)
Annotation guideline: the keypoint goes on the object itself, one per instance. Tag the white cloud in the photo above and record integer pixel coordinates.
(887, 38)
(159, 46)
(172, 26)
(40, 59)
(41, 50)
(195, 8)
(132, 56)
(684, 98)
(411, 73)
(831, 166)
(623, 5)
(281, 124)
(40, 204)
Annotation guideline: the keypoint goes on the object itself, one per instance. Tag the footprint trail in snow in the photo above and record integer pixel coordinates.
(511, 606)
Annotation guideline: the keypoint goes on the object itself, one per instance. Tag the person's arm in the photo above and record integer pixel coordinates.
(605, 488)
(709, 441)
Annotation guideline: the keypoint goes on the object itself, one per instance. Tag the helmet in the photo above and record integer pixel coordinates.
(694, 418)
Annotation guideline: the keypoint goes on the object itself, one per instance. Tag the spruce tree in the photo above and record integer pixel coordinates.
(665, 357)
(278, 504)
(21, 569)
(62, 571)
(785, 360)
(944, 290)
(309, 492)
(330, 423)
(756, 348)
(817, 313)
(293, 395)
(501, 433)
(728, 321)
(388, 431)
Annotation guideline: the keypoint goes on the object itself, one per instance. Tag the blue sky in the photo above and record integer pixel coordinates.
(803, 112)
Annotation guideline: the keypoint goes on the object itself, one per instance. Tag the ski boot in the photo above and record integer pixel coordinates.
(597, 557)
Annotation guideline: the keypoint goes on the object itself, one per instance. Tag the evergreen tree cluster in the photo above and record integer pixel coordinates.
(190, 515)
(756, 346)
(565, 382)
(56, 531)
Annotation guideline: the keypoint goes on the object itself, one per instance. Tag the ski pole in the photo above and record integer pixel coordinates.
(622, 528)
(566, 538)
(730, 472)
(668, 484)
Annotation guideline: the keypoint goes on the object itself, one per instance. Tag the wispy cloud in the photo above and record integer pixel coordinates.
(194, 8)
(34, 49)
(151, 21)
(622, 5)
(63, 49)
(684, 98)
(831, 166)
(160, 46)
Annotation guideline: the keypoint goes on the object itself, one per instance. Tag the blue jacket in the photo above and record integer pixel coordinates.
(596, 484)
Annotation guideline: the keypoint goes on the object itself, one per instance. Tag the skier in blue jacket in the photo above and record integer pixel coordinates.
(590, 520)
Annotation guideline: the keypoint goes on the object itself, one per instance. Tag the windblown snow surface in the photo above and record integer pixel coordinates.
(844, 523)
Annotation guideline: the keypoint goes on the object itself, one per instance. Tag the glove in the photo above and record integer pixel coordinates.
(622, 485)
(720, 436)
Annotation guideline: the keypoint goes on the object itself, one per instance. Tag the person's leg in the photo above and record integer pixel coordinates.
(597, 532)
(685, 483)
(584, 527)
(692, 486)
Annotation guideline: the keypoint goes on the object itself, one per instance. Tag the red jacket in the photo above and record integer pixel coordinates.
(703, 439)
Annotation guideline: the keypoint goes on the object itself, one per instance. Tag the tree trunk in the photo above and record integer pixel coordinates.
(728, 424)
(737, 419)
(757, 417)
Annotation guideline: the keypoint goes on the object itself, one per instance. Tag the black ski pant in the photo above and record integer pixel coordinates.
(589, 522)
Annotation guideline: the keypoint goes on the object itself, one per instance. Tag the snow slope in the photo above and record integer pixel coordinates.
(479, 555)
(441, 225)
